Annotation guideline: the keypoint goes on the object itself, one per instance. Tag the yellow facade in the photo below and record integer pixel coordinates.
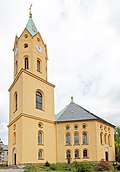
(95, 150)
(33, 134)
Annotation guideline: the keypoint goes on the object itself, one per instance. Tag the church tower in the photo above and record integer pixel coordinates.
(31, 129)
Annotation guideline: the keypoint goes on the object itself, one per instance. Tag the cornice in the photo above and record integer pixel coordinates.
(30, 116)
(30, 74)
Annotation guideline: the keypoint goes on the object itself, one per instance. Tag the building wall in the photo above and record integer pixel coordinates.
(61, 140)
(15, 143)
(29, 97)
(96, 151)
(30, 145)
(107, 145)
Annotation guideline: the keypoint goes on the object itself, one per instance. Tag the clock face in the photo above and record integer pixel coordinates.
(16, 51)
(39, 49)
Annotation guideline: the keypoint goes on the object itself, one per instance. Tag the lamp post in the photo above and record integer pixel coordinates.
(114, 164)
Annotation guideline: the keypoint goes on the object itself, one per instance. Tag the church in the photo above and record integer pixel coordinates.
(35, 133)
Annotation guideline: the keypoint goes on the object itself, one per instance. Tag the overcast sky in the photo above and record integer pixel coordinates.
(83, 42)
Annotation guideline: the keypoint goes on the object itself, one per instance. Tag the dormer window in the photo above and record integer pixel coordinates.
(25, 45)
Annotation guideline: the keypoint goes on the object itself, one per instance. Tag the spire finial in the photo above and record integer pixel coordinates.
(71, 98)
(30, 12)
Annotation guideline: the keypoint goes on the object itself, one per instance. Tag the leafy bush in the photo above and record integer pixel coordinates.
(84, 167)
(118, 167)
(103, 165)
(53, 167)
(47, 164)
(3, 166)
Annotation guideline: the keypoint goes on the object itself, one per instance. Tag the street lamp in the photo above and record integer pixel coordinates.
(114, 164)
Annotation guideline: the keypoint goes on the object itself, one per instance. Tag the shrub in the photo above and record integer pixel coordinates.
(103, 165)
(118, 167)
(84, 167)
(47, 164)
(53, 167)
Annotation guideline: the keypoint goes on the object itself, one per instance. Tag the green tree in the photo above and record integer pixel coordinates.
(117, 143)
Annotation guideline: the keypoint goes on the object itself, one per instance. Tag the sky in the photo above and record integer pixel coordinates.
(83, 44)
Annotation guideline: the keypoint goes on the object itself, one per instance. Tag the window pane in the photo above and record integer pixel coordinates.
(68, 154)
(26, 63)
(38, 65)
(76, 141)
(40, 154)
(67, 139)
(101, 138)
(84, 138)
(76, 154)
(39, 138)
(75, 127)
(85, 153)
(67, 127)
(38, 100)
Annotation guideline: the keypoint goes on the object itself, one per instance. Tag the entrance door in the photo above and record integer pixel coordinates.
(15, 159)
(106, 156)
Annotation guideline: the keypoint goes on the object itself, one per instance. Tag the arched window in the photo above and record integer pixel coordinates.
(38, 65)
(14, 138)
(68, 154)
(26, 63)
(38, 100)
(40, 154)
(67, 139)
(76, 153)
(84, 138)
(40, 141)
(76, 139)
(15, 101)
(105, 137)
(101, 138)
(109, 140)
(85, 154)
(16, 67)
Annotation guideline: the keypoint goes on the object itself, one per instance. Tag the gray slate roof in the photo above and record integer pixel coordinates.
(74, 112)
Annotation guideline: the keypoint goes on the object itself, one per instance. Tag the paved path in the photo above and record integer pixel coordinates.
(11, 170)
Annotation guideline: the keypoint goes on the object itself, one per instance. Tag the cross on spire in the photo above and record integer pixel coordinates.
(30, 12)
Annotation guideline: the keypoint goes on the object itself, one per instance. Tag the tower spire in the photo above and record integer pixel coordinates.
(30, 12)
